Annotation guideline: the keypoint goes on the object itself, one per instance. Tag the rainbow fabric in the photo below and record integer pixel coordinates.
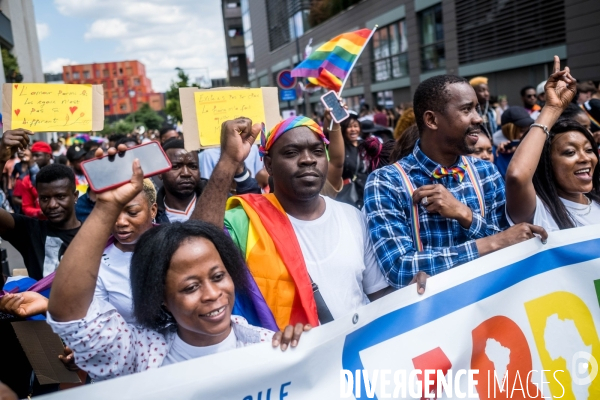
(457, 172)
(335, 56)
(266, 141)
(266, 238)
(327, 80)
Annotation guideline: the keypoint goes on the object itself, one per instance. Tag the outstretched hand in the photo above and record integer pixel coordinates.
(122, 195)
(237, 138)
(560, 87)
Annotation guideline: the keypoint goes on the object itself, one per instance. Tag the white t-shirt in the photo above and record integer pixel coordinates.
(113, 284)
(543, 218)
(180, 216)
(339, 257)
(181, 351)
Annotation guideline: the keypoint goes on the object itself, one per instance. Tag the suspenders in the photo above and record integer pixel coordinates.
(414, 210)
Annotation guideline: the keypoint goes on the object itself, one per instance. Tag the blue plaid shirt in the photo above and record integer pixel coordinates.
(446, 244)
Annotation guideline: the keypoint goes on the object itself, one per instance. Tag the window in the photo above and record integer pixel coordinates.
(120, 71)
(115, 95)
(390, 52)
(234, 66)
(232, 4)
(136, 81)
(67, 74)
(354, 102)
(123, 106)
(128, 71)
(247, 34)
(107, 108)
(75, 75)
(432, 39)
(97, 73)
(105, 73)
(385, 99)
(298, 24)
(86, 74)
(120, 82)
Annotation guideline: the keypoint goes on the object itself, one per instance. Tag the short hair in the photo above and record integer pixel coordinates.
(572, 111)
(151, 261)
(173, 143)
(61, 159)
(149, 191)
(526, 88)
(127, 139)
(544, 181)
(166, 129)
(55, 172)
(87, 146)
(115, 137)
(586, 87)
(432, 95)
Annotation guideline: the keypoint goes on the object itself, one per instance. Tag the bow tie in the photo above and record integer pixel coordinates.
(457, 172)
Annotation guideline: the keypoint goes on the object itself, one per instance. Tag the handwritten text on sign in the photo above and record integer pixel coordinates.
(215, 107)
(43, 107)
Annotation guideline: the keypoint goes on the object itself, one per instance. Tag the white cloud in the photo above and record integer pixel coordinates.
(55, 66)
(107, 29)
(43, 30)
(161, 34)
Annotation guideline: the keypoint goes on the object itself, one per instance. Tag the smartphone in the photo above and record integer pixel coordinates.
(513, 143)
(332, 101)
(110, 172)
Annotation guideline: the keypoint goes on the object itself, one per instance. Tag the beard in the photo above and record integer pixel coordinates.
(464, 146)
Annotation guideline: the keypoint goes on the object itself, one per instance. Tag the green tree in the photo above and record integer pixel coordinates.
(11, 66)
(146, 116)
(173, 106)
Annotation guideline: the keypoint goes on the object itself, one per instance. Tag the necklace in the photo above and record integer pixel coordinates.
(586, 210)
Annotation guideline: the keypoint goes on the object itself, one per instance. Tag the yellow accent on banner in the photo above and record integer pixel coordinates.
(42, 107)
(215, 107)
(569, 317)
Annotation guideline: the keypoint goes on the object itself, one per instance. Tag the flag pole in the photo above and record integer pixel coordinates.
(355, 60)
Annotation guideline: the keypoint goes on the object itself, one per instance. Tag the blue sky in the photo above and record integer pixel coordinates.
(163, 34)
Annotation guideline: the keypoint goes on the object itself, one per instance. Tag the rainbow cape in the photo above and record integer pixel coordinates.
(266, 237)
(336, 56)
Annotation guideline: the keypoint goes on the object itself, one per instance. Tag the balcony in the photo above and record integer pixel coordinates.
(235, 12)
(6, 36)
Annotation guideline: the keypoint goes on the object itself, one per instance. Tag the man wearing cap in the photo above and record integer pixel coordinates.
(515, 122)
(293, 237)
(541, 93)
(487, 113)
(75, 155)
(41, 152)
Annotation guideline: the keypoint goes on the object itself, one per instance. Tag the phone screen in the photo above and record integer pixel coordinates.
(332, 102)
(107, 172)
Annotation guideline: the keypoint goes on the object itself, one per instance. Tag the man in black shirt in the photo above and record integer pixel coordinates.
(41, 242)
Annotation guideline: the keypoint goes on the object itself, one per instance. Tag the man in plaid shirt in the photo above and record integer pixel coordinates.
(453, 227)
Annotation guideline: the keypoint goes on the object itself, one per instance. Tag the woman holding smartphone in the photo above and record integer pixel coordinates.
(183, 279)
(553, 179)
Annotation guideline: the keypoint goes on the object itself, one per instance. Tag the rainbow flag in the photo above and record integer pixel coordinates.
(327, 80)
(266, 238)
(336, 56)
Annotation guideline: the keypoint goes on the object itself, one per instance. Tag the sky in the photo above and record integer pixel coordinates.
(162, 34)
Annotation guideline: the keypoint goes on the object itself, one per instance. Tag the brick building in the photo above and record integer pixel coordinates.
(126, 85)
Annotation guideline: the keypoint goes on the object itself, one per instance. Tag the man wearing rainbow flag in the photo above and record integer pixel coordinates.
(436, 209)
(293, 236)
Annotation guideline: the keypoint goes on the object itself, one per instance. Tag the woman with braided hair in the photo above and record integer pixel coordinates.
(553, 178)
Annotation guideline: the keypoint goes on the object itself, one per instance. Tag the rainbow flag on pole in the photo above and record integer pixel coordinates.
(334, 59)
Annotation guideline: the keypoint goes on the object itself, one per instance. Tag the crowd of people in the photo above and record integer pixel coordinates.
(246, 244)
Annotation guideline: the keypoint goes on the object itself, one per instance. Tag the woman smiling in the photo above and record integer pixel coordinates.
(183, 281)
(553, 179)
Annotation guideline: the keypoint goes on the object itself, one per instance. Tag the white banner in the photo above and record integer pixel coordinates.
(529, 313)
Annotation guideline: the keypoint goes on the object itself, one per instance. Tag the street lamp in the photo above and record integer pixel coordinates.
(131, 96)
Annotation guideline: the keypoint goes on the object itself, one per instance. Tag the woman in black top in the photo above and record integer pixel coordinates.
(356, 168)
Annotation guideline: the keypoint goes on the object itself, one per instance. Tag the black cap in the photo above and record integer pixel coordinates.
(368, 126)
(592, 108)
(75, 152)
(517, 115)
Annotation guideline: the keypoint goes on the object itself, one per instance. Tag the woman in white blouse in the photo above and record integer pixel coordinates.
(553, 180)
(183, 279)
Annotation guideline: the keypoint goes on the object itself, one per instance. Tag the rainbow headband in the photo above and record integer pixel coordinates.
(266, 141)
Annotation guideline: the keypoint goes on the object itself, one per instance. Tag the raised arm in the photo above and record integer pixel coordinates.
(77, 273)
(237, 138)
(520, 193)
(12, 141)
(337, 152)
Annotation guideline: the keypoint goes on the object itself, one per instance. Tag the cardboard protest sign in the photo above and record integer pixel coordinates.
(42, 107)
(42, 347)
(204, 110)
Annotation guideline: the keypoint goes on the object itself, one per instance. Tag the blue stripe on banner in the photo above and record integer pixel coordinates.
(415, 315)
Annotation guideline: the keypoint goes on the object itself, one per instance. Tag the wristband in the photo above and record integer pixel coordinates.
(243, 176)
(543, 127)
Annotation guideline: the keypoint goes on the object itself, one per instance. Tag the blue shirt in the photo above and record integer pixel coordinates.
(446, 244)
